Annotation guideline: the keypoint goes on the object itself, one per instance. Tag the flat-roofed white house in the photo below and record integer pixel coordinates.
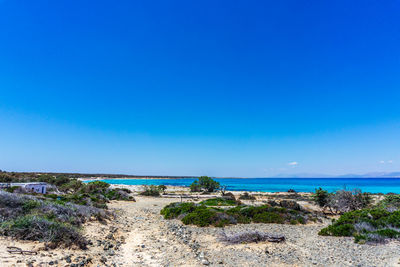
(35, 187)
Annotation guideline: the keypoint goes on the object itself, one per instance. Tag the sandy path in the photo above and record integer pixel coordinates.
(149, 242)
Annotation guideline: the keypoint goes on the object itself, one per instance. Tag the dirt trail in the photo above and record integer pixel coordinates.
(149, 242)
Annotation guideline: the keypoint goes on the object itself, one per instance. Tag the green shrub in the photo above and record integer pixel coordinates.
(151, 190)
(96, 186)
(219, 201)
(321, 197)
(391, 201)
(365, 225)
(11, 189)
(73, 185)
(61, 180)
(195, 187)
(338, 230)
(268, 217)
(162, 188)
(173, 210)
(202, 215)
(390, 233)
(204, 183)
(30, 205)
(46, 178)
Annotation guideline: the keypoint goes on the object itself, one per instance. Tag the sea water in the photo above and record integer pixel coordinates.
(372, 185)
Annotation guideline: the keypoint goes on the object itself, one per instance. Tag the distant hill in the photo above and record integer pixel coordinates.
(316, 175)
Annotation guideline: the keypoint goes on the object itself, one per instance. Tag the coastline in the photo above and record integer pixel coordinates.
(270, 185)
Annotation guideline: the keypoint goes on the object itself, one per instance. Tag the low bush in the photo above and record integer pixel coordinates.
(175, 209)
(391, 202)
(249, 237)
(41, 229)
(365, 224)
(202, 215)
(161, 188)
(219, 201)
(342, 201)
(151, 190)
(321, 197)
(29, 218)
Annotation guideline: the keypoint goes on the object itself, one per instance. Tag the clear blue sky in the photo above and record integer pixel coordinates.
(219, 88)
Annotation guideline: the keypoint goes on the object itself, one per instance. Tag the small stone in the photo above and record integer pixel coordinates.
(205, 262)
(68, 259)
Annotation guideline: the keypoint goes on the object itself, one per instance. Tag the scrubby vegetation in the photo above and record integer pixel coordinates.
(30, 218)
(375, 224)
(161, 188)
(151, 190)
(204, 184)
(220, 201)
(202, 215)
(342, 201)
(250, 237)
(96, 194)
(54, 218)
(65, 189)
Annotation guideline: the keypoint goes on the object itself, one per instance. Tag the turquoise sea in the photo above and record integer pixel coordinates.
(372, 185)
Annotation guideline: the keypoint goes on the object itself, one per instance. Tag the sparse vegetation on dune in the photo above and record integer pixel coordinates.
(220, 201)
(203, 215)
(151, 190)
(30, 218)
(376, 224)
(55, 218)
(342, 200)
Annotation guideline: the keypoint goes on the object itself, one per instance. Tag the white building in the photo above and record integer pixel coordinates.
(35, 187)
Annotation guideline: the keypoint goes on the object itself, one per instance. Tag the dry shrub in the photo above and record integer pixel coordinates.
(249, 237)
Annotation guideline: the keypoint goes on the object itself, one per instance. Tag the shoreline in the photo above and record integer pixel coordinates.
(138, 187)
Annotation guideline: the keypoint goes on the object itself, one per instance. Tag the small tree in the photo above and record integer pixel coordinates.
(162, 188)
(195, 187)
(321, 197)
(204, 183)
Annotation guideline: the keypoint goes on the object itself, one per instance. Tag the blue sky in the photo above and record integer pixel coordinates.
(219, 88)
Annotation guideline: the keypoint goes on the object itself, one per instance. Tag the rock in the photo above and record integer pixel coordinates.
(290, 204)
(111, 252)
(110, 236)
(205, 262)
